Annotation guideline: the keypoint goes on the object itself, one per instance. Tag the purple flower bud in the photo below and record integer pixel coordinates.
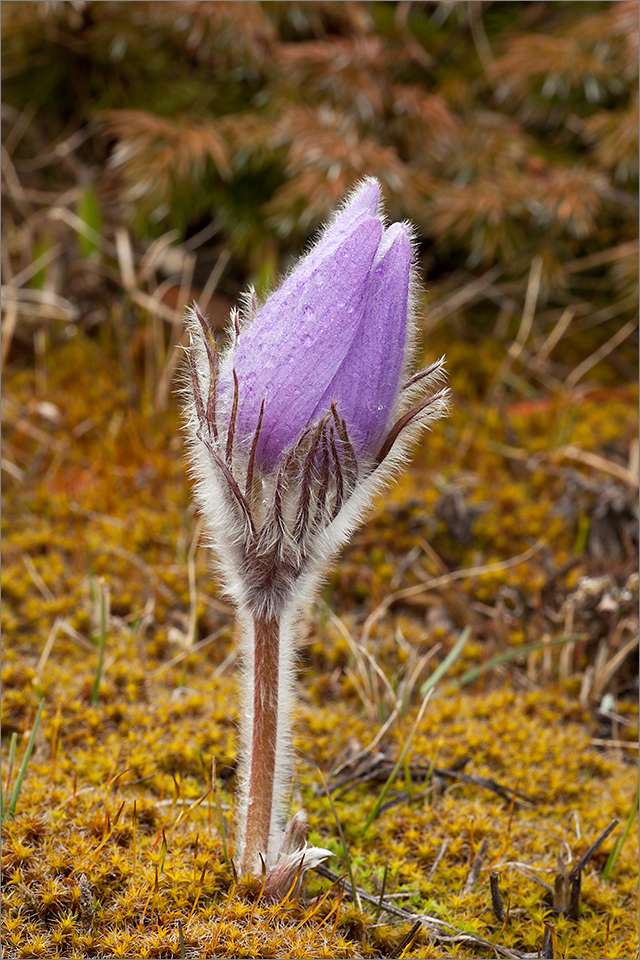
(335, 331)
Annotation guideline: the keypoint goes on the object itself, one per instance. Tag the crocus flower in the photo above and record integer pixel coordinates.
(294, 428)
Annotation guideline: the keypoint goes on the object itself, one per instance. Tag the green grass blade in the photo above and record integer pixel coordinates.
(25, 760)
(101, 647)
(12, 757)
(448, 661)
(617, 848)
(425, 690)
(383, 887)
(512, 654)
(394, 773)
(13, 746)
(354, 889)
(88, 211)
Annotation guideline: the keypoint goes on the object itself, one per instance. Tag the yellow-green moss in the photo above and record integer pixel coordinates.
(116, 506)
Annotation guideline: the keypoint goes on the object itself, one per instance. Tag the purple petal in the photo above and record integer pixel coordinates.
(363, 205)
(291, 351)
(365, 387)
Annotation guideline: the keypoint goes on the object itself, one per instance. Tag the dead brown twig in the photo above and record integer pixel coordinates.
(438, 929)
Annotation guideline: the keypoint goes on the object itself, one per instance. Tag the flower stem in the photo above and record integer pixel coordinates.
(266, 637)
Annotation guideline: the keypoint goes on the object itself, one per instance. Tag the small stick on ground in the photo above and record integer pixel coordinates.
(547, 951)
(567, 886)
(407, 940)
(575, 876)
(476, 867)
(435, 927)
(496, 897)
(584, 859)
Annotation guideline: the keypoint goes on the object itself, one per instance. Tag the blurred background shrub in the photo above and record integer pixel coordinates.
(226, 132)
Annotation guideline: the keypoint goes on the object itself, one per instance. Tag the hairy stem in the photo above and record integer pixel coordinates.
(263, 744)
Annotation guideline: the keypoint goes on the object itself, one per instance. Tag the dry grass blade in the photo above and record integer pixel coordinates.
(363, 679)
(602, 257)
(556, 334)
(20, 127)
(188, 652)
(193, 591)
(615, 744)
(154, 305)
(179, 338)
(13, 183)
(103, 618)
(483, 48)
(74, 634)
(48, 647)
(182, 816)
(125, 259)
(38, 264)
(392, 598)
(527, 870)
(378, 804)
(599, 355)
(472, 291)
(37, 579)
(412, 45)
(221, 823)
(8, 329)
(596, 462)
(79, 226)
(438, 860)
(100, 517)
(142, 566)
(517, 347)
(531, 299)
(13, 745)
(152, 258)
(39, 303)
(605, 675)
(62, 149)
(351, 761)
(13, 470)
(214, 279)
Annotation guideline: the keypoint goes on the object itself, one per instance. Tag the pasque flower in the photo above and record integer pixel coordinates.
(294, 427)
